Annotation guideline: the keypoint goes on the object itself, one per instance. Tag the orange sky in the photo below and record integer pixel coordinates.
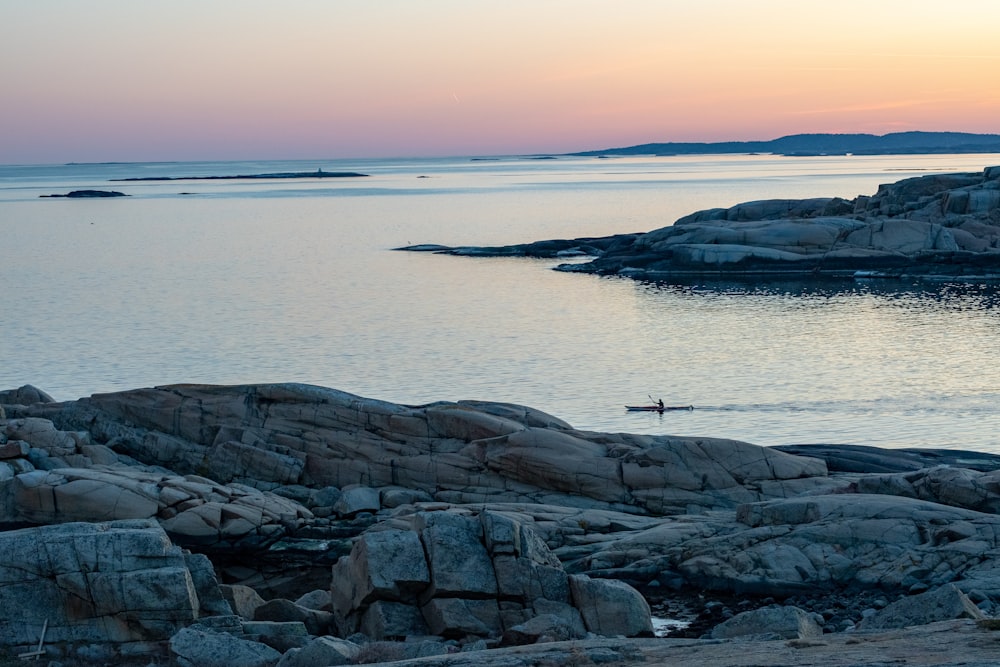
(226, 79)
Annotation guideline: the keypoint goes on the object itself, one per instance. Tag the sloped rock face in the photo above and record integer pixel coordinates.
(119, 582)
(455, 574)
(945, 224)
(942, 604)
(957, 487)
(463, 452)
(195, 511)
(195, 647)
(826, 542)
(672, 512)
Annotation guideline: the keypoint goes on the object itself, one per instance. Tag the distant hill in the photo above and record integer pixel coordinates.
(826, 144)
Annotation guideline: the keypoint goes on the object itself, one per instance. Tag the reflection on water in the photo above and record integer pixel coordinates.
(884, 362)
(979, 295)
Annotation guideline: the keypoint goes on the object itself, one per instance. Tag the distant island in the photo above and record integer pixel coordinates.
(897, 143)
(319, 173)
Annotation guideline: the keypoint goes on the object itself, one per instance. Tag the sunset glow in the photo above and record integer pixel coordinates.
(117, 80)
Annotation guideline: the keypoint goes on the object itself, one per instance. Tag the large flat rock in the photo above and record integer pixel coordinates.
(458, 452)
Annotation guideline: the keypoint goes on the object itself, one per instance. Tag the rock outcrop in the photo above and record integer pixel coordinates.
(119, 584)
(455, 574)
(197, 647)
(270, 436)
(193, 510)
(452, 526)
(942, 225)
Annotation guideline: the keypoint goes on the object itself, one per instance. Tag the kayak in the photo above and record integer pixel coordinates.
(657, 408)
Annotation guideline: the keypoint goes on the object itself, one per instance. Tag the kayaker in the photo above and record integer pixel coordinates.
(660, 403)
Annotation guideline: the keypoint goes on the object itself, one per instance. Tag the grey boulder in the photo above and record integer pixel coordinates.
(785, 622)
(194, 647)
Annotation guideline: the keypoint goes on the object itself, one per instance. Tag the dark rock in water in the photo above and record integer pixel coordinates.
(83, 194)
(582, 247)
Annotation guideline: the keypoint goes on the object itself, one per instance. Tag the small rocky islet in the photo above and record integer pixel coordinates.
(296, 525)
(940, 226)
(287, 175)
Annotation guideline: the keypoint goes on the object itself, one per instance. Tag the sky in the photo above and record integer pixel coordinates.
(123, 80)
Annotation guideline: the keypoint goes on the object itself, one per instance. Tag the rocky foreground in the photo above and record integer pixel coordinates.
(942, 226)
(301, 526)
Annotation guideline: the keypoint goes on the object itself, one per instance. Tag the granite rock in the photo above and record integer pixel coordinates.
(462, 452)
(322, 651)
(783, 621)
(469, 520)
(460, 573)
(945, 603)
(193, 510)
(194, 647)
(118, 583)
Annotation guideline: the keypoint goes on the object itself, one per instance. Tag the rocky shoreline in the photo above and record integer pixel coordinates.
(938, 227)
(295, 525)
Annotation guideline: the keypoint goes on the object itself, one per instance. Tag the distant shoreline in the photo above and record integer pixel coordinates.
(811, 145)
(319, 173)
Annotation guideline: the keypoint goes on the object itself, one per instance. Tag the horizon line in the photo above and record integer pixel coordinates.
(578, 153)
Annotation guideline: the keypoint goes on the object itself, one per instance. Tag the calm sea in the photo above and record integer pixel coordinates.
(294, 280)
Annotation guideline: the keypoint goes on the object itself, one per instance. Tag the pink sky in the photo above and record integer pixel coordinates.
(191, 80)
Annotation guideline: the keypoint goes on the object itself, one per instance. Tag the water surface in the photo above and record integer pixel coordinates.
(272, 281)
